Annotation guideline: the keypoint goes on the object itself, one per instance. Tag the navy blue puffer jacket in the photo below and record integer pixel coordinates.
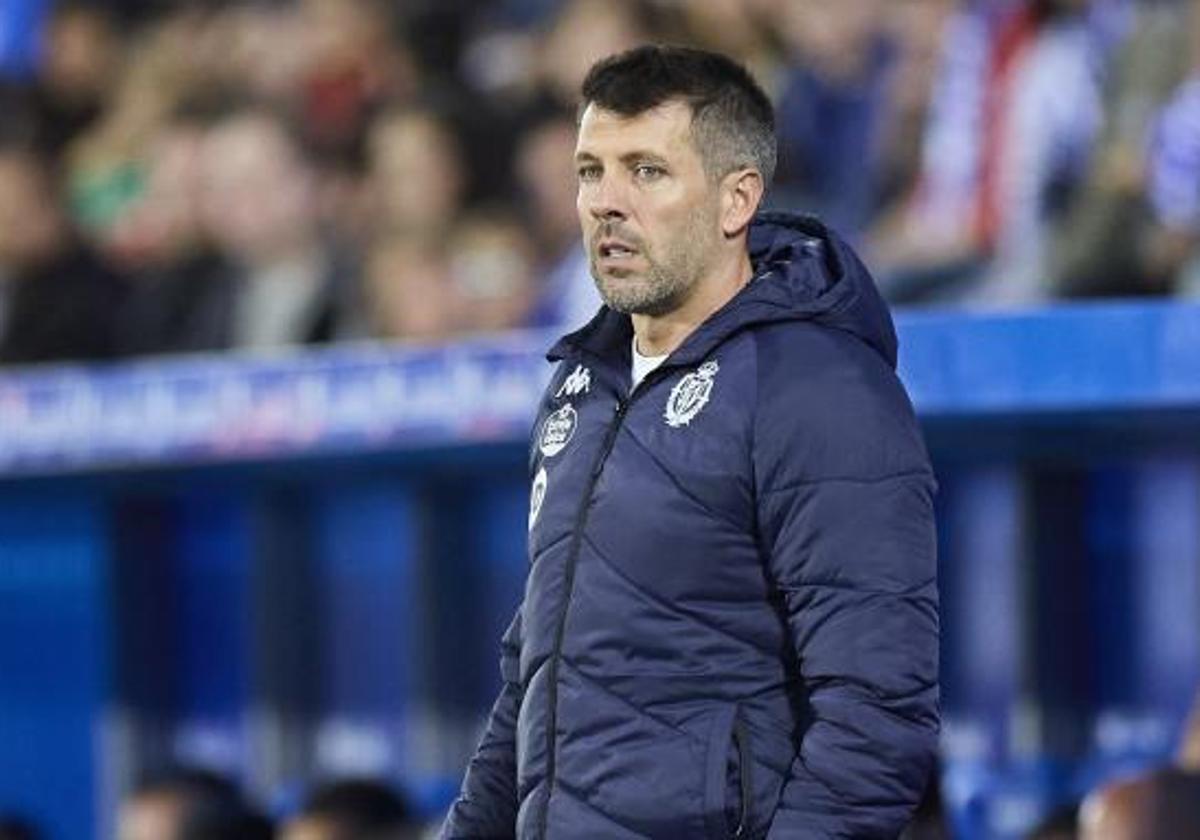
(730, 624)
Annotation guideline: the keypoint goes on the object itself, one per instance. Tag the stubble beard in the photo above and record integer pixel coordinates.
(655, 291)
(665, 284)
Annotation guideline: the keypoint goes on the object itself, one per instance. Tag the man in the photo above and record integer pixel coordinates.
(730, 622)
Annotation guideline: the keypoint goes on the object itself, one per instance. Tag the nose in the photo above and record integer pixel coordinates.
(606, 201)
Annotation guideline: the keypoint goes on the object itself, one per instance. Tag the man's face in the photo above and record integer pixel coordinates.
(648, 210)
(256, 198)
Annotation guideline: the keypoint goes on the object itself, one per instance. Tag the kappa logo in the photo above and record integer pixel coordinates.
(537, 495)
(690, 394)
(579, 382)
(557, 430)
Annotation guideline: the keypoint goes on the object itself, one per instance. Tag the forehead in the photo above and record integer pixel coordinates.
(665, 128)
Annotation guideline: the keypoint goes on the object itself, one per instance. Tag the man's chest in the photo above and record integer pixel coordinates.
(658, 483)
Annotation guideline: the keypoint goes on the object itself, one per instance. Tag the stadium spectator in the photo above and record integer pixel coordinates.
(914, 31)
(409, 293)
(163, 805)
(831, 108)
(277, 282)
(57, 301)
(80, 60)
(1174, 175)
(583, 32)
(159, 242)
(1109, 242)
(738, 28)
(417, 172)
(105, 169)
(1015, 112)
(492, 267)
(256, 51)
(160, 225)
(355, 60)
(287, 285)
(353, 809)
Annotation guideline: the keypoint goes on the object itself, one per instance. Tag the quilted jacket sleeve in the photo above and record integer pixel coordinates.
(487, 803)
(846, 521)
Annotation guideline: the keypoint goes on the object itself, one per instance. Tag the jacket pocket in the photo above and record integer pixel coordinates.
(727, 773)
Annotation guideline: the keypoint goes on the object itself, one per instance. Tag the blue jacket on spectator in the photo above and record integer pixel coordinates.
(730, 624)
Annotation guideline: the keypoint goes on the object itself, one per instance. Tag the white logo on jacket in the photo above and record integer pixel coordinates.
(557, 430)
(690, 394)
(579, 382)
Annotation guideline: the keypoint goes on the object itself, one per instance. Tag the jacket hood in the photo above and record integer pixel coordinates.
(802, 271)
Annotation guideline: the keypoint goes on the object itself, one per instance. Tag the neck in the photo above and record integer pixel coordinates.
(658, 335)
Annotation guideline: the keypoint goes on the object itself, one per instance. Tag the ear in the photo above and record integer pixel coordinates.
(741, 193)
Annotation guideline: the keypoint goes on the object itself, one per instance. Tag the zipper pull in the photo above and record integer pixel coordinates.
(611, 436)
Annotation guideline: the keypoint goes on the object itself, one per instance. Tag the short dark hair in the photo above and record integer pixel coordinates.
(196, 784)
(733, 123)
(359, 806)
(227, 821)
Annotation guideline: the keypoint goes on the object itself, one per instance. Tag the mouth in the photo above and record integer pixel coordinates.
(615, 250)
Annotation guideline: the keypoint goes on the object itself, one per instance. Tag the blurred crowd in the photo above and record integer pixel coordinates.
(184, 176)
(188, 802)
(192, 803)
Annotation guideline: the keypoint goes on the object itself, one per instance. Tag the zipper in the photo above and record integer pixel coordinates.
(743, 750)
(610, 439)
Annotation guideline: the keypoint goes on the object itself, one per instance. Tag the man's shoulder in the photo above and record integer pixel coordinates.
(826, 391)
(796, 354)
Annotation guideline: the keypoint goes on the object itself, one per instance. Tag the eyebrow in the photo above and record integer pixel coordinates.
(628, 157)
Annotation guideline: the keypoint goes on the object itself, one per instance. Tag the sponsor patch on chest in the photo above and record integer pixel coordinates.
(557, 430)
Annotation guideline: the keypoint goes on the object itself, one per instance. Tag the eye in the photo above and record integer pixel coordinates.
(648, 172)
(588, 172)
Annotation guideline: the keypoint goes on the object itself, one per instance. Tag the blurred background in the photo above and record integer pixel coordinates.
(249, 584)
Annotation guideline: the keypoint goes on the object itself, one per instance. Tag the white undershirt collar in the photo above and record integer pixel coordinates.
(642, 365)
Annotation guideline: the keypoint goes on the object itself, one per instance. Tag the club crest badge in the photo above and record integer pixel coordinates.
(557, 430)
(690, 395)
(579, 382)
(536, 496)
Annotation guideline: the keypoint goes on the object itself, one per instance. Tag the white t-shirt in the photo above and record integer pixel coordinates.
(642, 365)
